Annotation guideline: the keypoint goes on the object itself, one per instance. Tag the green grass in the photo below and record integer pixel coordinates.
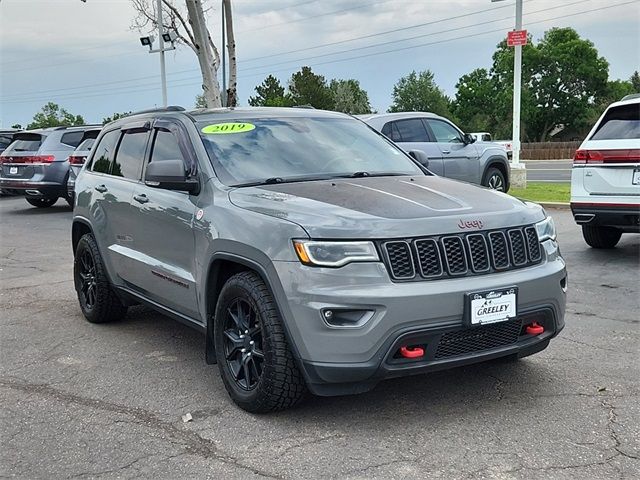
(543, 192)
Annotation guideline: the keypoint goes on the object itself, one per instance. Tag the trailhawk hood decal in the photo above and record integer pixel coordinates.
(386, 207)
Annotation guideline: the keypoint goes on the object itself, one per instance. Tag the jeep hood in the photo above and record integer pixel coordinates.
(386, 207)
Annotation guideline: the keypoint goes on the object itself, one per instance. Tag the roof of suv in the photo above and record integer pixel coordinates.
(239, 112)
(397, 115)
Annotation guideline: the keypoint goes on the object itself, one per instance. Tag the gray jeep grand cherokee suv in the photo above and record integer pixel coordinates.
(311, 251)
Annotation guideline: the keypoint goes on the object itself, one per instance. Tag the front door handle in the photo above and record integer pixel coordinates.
(142, 198)
(101, 188)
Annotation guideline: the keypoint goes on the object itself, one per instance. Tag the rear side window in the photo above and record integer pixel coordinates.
(486, 137)
(105, 151)
(72, 139)
(29, 142)
(619, 123)
(412, 130)
(130, 156)
(391, 131)
(165, 147)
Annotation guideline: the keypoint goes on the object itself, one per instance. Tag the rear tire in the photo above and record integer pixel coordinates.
(98, 301)
(256, 364)
(494, 179)
(41, 202)
(601, 237)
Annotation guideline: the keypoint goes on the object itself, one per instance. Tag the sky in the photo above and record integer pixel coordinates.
(86, 56)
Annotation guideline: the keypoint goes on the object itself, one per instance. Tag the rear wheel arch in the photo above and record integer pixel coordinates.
(78, 229)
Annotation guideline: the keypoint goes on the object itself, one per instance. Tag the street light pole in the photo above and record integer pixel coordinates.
(163, 74)
(517, 88)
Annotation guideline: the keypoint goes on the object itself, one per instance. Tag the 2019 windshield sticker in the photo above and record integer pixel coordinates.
(226, 128)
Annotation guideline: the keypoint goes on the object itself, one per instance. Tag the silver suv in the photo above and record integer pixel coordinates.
(313, 253)
(449, 152)
(36, 163)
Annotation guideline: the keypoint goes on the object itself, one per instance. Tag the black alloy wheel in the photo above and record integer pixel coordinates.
(243, 344)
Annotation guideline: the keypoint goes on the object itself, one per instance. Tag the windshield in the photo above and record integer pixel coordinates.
(274, 150)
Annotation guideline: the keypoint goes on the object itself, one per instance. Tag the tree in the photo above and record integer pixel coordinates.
(114, 117)
(191, 28)
(307, 88)
(270, 93)
(200, 101)
(349, 97)
(17, 126)
(563, 82)
(635, 81)
(52, 115)
(418, 92)
(232, 87)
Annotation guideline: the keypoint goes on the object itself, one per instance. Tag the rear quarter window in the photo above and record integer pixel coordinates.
(619, 123)
(72, 139)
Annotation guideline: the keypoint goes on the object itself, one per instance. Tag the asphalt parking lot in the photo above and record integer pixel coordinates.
(105, 401)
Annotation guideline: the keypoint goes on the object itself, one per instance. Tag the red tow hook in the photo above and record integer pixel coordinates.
(412, 352)
(534, 329)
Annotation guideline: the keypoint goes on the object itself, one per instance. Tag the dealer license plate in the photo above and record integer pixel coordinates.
(635, 180)
(13, 170)
(492, 306)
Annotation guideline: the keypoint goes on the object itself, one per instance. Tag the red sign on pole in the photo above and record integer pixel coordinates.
(516, 37)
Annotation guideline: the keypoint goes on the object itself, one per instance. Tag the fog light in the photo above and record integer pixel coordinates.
(346, 318)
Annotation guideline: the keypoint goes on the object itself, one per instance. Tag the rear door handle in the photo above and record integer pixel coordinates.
(101, 188)
(142, 198)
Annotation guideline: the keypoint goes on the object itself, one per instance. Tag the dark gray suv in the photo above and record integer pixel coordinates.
(36, 163)
(313, 253)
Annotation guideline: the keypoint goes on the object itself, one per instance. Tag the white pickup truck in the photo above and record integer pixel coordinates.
(486, 137)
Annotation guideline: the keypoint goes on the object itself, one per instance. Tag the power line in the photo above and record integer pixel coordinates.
(390, 42)
(485, 32)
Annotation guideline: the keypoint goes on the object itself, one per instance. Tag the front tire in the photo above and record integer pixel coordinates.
(98, 301)
(494, 179)
(255, 361)
(601, 237)
(42, 202)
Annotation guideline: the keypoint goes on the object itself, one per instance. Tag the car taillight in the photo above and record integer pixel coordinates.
(606, 156)
(28, 159)
(77, 159)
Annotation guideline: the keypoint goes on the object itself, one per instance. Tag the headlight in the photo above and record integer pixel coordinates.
(334, 254)
(546, 229)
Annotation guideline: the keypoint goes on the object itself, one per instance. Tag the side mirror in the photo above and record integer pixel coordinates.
(420, 157)
(468, 139)
(170, 175)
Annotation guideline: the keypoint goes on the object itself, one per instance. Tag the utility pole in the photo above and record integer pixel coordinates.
(163, 73)
(517, 88)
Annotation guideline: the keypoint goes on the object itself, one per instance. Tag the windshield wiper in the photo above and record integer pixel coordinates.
(272, 180)
(374, 174)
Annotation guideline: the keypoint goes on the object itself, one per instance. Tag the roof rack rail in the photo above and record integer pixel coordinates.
(170, 108)
(630, 97)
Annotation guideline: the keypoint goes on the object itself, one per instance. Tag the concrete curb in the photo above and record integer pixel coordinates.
(555, 205)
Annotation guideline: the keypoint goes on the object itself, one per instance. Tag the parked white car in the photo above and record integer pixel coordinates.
(605, 179)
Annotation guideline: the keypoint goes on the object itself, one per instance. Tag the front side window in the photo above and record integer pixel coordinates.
(165, 147)
(412, 130)
(104, 152)
(444, 132)
(619, 123)
(254, 150)
(130, 156)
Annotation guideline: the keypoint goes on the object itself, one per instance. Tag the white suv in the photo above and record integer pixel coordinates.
(605, 179)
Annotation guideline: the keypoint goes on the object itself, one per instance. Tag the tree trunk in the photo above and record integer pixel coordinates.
(203, 46)
(232, 88)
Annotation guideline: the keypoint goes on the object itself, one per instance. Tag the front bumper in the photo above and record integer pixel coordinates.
(340, 360)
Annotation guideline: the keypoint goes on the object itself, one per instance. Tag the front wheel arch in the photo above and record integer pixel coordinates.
(500, 165)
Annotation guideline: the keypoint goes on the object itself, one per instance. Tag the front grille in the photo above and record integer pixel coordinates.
(478, 339)
(463, 254)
